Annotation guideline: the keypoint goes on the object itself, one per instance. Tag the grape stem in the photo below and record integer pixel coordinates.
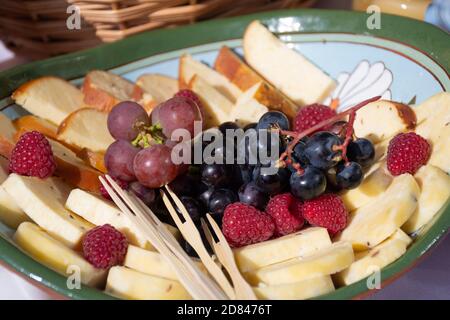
(149, 136)
(286, 156)
(348, 137)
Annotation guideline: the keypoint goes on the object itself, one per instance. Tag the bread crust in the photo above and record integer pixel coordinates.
(239, 73)
(97, 98)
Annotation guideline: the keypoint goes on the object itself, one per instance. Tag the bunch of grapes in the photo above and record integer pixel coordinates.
(307, 164)
(143, 146)
(319, 162)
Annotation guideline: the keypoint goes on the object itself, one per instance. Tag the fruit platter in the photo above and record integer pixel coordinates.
(319, 158)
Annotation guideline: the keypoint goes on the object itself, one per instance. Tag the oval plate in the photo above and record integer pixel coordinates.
(415, 65)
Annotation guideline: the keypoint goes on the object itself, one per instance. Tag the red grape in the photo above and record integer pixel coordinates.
(126, 120)
(119, 160)
(153, 166)
(176, 113)
(147, 195)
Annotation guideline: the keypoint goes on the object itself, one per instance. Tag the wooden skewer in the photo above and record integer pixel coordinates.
(224, 253)
(157, 242)
(192, 236)
(160, 238)
(172, 243)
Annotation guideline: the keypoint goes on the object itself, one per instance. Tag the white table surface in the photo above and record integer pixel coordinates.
(428, 280)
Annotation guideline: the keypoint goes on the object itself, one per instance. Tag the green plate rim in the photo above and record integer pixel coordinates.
(425, 38)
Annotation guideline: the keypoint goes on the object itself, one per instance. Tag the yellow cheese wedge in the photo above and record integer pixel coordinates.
(10, 212)
(99, 211)
(375, 182)
(324, 262)
(301, 290)
(433, 116)
(435, 192)
(299, 244)
(131, 284)
(152, 263)
(43, 201)
(376, 221)
(57, 256)
(378, 257)
(438, 104)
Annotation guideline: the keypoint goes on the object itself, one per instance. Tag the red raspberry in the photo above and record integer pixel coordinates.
(407, 152)
(32, 156)
(327, 211)
(186, 93)
(121, 183)
(308, 116)
(243, 225)
(286, 211)
(105, 247)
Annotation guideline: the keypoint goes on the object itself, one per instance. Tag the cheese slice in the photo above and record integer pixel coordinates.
(435, 192)
(99, 211)
(299, 244)
(56, 255)
(43, 201)
(300, 290)
(10, 212)
(152, 263)
(367, 262)
(131, 284)
(327, 261)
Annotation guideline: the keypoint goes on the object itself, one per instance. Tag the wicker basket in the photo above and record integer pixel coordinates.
(38, 27)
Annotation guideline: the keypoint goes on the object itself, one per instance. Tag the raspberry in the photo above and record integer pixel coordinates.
(190, 95)
(243, 225)
(104, 247)
(286, 211)
(327, 211)
(32, 156)
(407, 152)
(121, 183)
(311, 115)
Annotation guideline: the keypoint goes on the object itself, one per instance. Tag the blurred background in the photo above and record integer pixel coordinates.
(35, 29)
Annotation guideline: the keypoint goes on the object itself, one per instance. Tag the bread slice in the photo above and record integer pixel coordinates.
(33, 123)
(285, 68)
(383, 119)
(7, 132)
(86, 128)
(247, 109)
(189, 67)
(95, 159)
(239, 73)
(49, 98)
(157, 88)
(216, 106)
(103, 90)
